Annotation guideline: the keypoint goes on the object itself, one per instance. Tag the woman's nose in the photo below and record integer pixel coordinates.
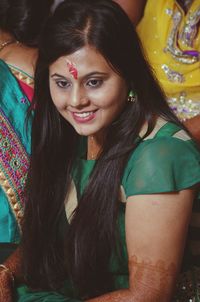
(78, 98)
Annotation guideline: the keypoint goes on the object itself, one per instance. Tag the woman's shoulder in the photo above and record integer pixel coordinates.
(167, 142)
(165, 133)
(20, 56)
(15, 81)
(166, 160)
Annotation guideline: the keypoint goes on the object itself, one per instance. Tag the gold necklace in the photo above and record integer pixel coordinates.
(6, 43)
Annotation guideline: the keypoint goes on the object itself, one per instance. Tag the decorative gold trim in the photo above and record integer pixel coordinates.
(11, 198)
(22, 76)
(183, 106)
(187, 37)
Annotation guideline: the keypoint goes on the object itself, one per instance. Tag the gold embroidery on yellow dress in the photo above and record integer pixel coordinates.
(171, 39)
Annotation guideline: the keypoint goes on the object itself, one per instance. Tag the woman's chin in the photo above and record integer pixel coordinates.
(85, 132)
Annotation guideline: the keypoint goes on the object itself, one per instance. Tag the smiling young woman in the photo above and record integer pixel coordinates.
(81, 100)
(113, 175)
(20, 25)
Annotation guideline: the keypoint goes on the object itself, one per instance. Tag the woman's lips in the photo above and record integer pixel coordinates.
(84, 117)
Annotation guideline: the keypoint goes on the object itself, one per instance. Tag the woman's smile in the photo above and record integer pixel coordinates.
(84, 117)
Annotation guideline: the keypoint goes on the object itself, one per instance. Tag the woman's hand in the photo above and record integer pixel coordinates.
(6, 285)
(10, 271)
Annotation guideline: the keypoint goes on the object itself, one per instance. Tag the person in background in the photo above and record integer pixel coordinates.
(114, 176)
(169, 31)
(133, 8)
(20, 24)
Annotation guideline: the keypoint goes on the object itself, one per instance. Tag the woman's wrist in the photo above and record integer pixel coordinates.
(5, 269)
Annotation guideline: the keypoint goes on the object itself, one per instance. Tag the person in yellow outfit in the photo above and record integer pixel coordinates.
(169, 32)
(172, 44)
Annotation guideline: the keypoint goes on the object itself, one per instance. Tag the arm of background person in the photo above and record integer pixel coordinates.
(133, 8)
(193, 125)
(156, 228)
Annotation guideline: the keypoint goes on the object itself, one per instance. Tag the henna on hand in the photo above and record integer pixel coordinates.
(13, 263)
(10, 268)
(6, 285)
(153, 280)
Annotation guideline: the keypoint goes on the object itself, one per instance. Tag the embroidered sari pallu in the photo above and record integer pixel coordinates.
(15, 143)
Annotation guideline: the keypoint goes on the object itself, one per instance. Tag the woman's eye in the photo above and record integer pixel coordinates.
(62, 84)
(94, 83)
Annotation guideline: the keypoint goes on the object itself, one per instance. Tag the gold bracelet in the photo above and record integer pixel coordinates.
(5, 268)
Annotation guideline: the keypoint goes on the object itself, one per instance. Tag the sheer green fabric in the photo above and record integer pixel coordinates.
(162, 163)
(27, 296)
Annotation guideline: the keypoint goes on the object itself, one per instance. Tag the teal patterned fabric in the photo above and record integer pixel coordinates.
(15, 146)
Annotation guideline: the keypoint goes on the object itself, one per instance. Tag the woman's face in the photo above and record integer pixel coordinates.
(86, 91)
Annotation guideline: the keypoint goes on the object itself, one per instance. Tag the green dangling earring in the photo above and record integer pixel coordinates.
(132, 96)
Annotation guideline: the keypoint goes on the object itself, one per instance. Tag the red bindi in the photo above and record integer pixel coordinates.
(72, 70)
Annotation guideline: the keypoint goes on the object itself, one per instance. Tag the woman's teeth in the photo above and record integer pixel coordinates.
(84, 114)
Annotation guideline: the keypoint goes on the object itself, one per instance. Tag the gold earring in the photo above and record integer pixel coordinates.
(132, 97)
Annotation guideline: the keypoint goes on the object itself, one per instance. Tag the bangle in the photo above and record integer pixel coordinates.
(5, 268)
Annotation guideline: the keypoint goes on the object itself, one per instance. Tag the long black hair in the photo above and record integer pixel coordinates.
(53, 249)
(24, 19)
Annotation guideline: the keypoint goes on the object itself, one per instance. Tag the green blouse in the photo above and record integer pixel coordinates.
(165, 161)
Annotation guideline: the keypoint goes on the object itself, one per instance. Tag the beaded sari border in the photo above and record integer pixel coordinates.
(12, 198)
(22, 76)
(14, 163)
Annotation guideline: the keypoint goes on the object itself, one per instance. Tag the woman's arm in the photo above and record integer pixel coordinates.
(156, 228)
(133, 8)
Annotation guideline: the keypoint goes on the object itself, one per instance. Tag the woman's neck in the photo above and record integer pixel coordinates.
(4, 35)
(94, 146)
(6, 39)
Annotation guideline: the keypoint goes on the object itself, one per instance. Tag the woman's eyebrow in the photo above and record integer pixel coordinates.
(96, 73)
(93, 73)
(58, 75)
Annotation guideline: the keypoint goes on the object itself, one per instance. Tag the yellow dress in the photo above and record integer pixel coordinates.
(171, 41)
